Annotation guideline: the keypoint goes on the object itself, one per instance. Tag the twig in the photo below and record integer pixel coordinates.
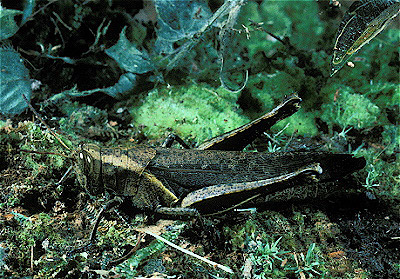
(259, 27)
(44, 123)
(224, 268)
(32, 247)
(62, 22)
(40, 10)
(214, 264)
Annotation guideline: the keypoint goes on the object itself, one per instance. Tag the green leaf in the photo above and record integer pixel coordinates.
(179, 20)
(14, 82)
(364, 20)
(125, 83)
(129, 57)
(8, 26)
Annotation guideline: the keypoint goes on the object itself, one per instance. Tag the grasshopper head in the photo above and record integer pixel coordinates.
(88, 168)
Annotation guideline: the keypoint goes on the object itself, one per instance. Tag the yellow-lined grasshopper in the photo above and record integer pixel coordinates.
(212, 177)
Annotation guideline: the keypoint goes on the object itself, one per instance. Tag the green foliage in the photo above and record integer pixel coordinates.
(283, 19)
(369, 92)
(38, 170)
(44, 140)
(177, 45)
(129, 57)
(29, 5)
(391, 138)
(129, 267)
(14, 81)
(382, 177)
(41, 231)
(8, 26)
(32, 232)
(270, 89)
(117, 234)
(265, 255)
(268, 253)
(353, 110)
(243, 233)
(87, 121)
(308, 262)
(179, 20)
(303, 123)
(195, 112)
(36, 230)
(3, 255)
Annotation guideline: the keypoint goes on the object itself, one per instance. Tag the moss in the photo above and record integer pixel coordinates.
(38, 232)
(43, 140)
(271, 88)
(271, 15)
(283, 19)
(86, 121)
(351, 110)
(194, 112)
(391, 138)
(277, 245)
(302, 123)
(383, 164)
(242, 234)
(305, 34)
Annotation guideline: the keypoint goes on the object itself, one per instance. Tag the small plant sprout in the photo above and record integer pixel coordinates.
(273, 147)
(276, 139)
(344, 131)
(266, 254)
(371, 178)
(306, 264)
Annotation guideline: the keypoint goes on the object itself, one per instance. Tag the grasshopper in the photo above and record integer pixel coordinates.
(213, 177)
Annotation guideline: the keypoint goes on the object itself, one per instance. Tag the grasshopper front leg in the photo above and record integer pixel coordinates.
(115, 202)
(174, 137)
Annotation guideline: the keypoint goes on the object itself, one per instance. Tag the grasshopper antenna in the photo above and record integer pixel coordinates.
(44, 152)
(44, 123)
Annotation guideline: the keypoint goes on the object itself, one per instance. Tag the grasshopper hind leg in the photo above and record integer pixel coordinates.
(177, 211)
